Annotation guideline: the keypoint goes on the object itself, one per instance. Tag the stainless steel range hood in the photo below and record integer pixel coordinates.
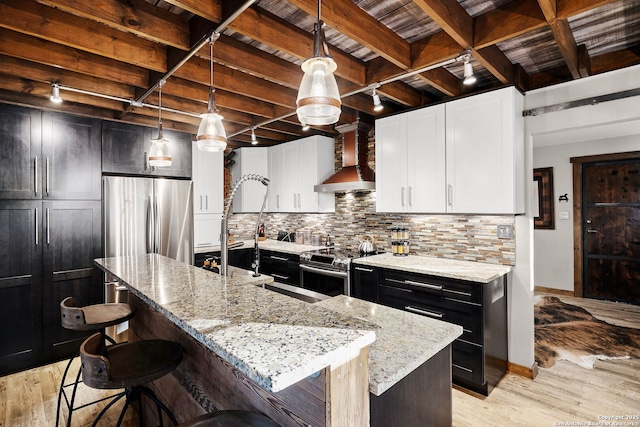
(355, 174)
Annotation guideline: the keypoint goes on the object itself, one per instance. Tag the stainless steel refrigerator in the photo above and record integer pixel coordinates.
(148, 215)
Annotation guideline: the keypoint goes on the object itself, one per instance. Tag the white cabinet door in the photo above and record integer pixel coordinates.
(250, 195)
(208, 181)
(289, 201)
(307, 199)
(206, 229)
(276, 175)
(391, 163)
(483, 151)
(426, 173)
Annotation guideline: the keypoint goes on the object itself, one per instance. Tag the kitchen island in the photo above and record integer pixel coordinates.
(247, 347)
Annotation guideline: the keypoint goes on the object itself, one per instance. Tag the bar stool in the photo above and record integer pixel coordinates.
(231, 418)
(88, 318)
(129, 365)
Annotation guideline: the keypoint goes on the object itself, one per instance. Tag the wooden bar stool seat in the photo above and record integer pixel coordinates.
(129, 366)
(231, 418)
(88, 318)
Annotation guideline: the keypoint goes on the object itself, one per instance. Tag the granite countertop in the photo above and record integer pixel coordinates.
(273, 339)
(454, 269)
(404, 341)
(269, 245)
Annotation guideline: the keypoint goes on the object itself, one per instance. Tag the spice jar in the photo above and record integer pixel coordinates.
(394, 247)
(403, 233)
(394, 234)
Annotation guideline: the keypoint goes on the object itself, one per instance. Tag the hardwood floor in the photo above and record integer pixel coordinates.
(563, 393)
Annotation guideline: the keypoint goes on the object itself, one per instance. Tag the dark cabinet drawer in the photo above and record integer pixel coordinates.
(467, 361)
(365, 283)
(283, 267)
(468, 315)
(431, 285)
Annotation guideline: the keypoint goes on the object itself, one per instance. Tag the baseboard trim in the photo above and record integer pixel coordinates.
(523, 371)
(562, 292)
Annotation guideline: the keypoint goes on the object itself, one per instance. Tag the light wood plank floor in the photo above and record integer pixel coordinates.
(563, 393)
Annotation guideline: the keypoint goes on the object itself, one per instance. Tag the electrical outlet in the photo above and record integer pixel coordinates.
(505, 231)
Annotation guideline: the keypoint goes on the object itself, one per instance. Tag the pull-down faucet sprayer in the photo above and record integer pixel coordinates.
(224, 229)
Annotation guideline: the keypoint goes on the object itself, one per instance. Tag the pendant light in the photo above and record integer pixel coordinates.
(318, 101)
(159, 155)
(211, 135)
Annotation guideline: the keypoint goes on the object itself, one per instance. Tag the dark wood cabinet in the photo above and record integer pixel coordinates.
(20, 284)
(71, 157)
(71, 241)
(125, 149)
(364, 283)
(20, 153)
(284, 267)
(479, 355)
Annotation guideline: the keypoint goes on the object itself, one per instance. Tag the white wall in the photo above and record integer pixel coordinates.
(554, 248)
(608, 127)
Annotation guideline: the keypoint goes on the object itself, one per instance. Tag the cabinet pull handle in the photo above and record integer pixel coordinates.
(46, 168)
(280, 277)
(450, 195)
(299, 201)
(277, 258)
(424, 312)
(278, 201)
(35, 175)
(48, 225)
(462, 367)
(367, 270)
(206, 202)
(409, 196)
(402, 196)
(466, 294)
(424, 285)
(37, 227)
(200, 202)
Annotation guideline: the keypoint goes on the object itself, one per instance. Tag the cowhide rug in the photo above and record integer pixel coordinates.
(565, 331)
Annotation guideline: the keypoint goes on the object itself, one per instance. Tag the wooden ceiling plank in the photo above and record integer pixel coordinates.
(568, 8)
(549, 9)
(443, 80)
(350, 20)
(135, 16)
(503, 23)
(63, 57)
(402, 93)
(46, 74)
(208, 9)
(42, 21)
(433, 49)
(497, 63)
(614, 60)
(451, 17)
(279, 34)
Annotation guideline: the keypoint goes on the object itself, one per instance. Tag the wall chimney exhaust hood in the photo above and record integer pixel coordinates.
(355, 174)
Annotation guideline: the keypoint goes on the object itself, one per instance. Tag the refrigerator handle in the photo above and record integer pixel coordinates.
(156, 225)
(149, 231)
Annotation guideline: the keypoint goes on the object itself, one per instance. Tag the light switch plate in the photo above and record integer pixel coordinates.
(564, 215)
(505, 231)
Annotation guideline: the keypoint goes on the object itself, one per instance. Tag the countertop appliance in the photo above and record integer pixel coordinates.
(327, 270)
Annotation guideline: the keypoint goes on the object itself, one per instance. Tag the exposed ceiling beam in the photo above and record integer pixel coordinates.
(563, 35)
(503, 23)
(451, 17)
(208, 9)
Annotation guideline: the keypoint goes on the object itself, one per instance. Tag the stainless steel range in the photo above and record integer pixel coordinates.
(327, 271)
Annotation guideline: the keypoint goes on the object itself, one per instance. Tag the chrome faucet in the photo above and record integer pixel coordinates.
(224, 229)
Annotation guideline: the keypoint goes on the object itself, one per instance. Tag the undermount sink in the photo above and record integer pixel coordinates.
(295, 292)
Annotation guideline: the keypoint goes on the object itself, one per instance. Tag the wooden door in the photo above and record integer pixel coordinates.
(20, 284)
(72, 157)
(611, 230)
(71, 241)
(20, 157)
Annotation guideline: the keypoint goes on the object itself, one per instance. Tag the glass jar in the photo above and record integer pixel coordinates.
(394, 234)
(394, 247)
(403, 234)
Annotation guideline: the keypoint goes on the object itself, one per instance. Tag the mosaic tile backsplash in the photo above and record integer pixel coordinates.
(461, 237)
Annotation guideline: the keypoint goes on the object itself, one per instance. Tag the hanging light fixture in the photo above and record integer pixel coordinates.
(211, 134)
(318, 100)
(469, 78)
(377, 104)
(305, 127)
(254, 141)
(55, 94)
(159, 154)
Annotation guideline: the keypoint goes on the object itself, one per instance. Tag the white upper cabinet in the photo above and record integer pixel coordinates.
(465, 156)
(250, 195)
(294, 168)
(208, 188)
(485, 153)
(410, 161)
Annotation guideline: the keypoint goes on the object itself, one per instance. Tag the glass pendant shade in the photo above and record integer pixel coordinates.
(211, 133)
(318, 101)
(159, 154)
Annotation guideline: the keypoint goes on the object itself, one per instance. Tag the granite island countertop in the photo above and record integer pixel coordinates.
(404, 340)
(454, 269)
(273, 339)
(269, 245)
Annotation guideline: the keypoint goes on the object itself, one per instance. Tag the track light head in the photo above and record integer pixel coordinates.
(254, 140)
(377, 104)
(55, 94)
(469, 77)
